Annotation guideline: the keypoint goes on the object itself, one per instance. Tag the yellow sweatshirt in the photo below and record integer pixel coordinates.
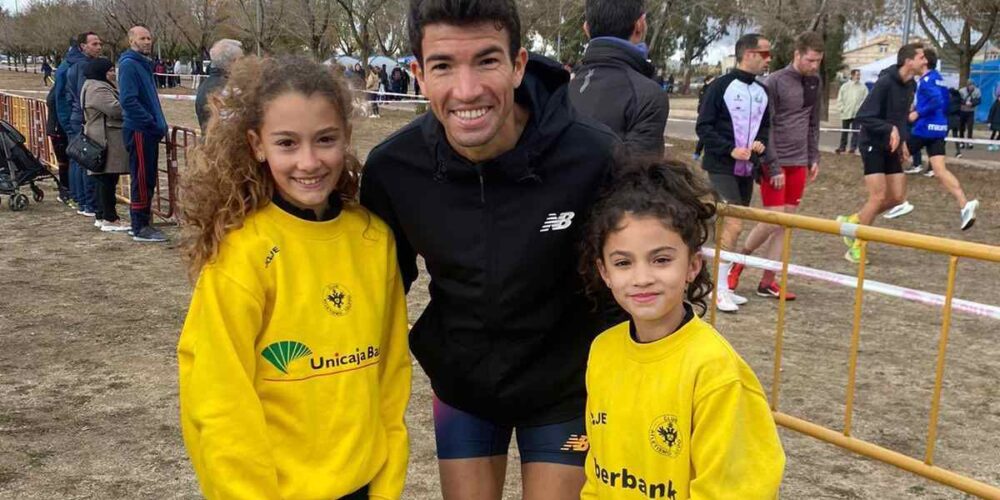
(680, 418)
(294, 361)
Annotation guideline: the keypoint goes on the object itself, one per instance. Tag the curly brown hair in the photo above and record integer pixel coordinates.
(225, 183)
(665, 189)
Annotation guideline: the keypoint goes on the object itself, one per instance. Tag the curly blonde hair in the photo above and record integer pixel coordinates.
(225, 183)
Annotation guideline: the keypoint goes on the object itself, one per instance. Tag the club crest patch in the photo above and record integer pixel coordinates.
(664, 436)
(337, 299)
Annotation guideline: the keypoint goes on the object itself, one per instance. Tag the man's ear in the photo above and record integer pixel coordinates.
(640, 29)
(418, 72)
(520, 66)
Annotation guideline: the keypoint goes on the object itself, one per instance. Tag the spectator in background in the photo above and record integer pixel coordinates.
(700, 146)
(90, 46)
(223, 53)
(143, 127)
(852, 93)
(103, 124)
(396, 84)
(371, 86)
(955, 118)
(62, 109)
(614, 84)
(994, 120)
(46, 73)
(59, 142)
(159, 70)
(971, 97)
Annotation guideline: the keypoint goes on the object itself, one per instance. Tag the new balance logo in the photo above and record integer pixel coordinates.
(557, 222)
(576, 443)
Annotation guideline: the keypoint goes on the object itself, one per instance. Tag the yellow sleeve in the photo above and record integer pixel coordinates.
(394, 376)
(589, 491)
(222, 417)
(735, 449)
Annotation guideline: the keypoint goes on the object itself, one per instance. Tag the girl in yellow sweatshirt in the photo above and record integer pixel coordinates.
(294, 364)
(672, 410)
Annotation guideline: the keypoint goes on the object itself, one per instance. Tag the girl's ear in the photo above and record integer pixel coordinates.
(604, 272)
(694, 266)
(256, 145)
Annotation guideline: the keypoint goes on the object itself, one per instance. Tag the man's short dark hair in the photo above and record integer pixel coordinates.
(613, 17)
(81, 39)
(908, 51)
(502, 13)
(932, 58)
(745, 43)
(809, 40)
(855, 72)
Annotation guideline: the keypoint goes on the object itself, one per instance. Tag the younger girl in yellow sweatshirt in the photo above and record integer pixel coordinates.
(294, 364)
(673, 412)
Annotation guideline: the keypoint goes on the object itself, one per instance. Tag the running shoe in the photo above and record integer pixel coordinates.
(733, 280)
(98, 223)
(149, 235)
(724, 303)
(929, 172)
(969, 214)
(958, 154)
(86, 212)
(899, 210)
(115, 227)
(853, 255)
(773, 291)
(848, 219)
(916, 168)
(737, 299)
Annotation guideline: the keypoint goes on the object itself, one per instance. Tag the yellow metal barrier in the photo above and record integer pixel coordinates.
(954, 249)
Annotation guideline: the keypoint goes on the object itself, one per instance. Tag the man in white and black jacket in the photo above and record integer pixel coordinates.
(614, 82)
(492, 188)
(733, 124)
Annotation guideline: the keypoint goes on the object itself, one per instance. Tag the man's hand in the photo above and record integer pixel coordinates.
(913, 116)
(757, 147)
(813, 172)
(740, 154)
(778, 181)
(893, 139)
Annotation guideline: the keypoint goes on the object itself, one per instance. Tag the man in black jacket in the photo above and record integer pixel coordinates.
(885, 128)
(492, 188)
(223, 53)
(614, 82)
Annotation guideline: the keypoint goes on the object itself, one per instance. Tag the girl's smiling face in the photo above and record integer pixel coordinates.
(648, 267)
(304, 142)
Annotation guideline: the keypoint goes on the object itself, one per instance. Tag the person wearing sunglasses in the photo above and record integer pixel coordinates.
(733, 124)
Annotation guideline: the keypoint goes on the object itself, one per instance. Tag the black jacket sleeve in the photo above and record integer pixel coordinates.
(707, 118)
(871, 115)
(375, 198)
(650, 121)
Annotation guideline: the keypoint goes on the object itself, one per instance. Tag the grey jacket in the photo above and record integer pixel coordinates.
(102, 114)
(795, 103)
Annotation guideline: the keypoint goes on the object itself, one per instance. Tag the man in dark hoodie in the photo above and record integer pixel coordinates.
(90, 46)
(491, 189)
(614, 83)
(144, 127)
(223, 54)
(884, 122)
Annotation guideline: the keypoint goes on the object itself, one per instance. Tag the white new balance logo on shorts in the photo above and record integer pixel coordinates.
(557, 222)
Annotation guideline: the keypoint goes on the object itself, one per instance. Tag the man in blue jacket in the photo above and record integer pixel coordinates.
(930, 127)
(70, 112)
(144, 126)
(60, 110)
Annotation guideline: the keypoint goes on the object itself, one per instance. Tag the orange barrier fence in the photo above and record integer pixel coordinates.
(29, 116)
(954, 249)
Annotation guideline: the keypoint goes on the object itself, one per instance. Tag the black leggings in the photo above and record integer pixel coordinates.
(107, 184)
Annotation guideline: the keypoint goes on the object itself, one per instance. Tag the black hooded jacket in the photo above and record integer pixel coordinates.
(507, 331)
(887, 105)
(614, 86)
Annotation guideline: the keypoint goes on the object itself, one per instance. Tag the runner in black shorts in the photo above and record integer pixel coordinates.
(883, 118)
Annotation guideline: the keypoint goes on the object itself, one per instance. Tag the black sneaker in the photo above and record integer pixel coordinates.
(150, 235)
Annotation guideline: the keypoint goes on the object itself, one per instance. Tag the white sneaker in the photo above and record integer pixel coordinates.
(725, 303)
(969, 214)
(737, 299)
(115, 227)
(899, 210)
(929, 172)
(98, 223)
(914, 169)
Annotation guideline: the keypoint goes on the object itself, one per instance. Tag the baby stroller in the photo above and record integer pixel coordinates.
(18, 168)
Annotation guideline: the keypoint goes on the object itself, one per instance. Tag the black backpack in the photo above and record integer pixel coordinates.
(52, 126)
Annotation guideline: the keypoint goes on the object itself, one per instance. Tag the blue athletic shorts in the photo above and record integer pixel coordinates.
(462, 435)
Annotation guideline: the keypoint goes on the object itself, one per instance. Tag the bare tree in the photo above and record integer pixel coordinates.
(979, 16)
(260, 20)
(359, 16)
(311, 23)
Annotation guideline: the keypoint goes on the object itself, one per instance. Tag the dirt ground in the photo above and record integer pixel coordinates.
(89, 323)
